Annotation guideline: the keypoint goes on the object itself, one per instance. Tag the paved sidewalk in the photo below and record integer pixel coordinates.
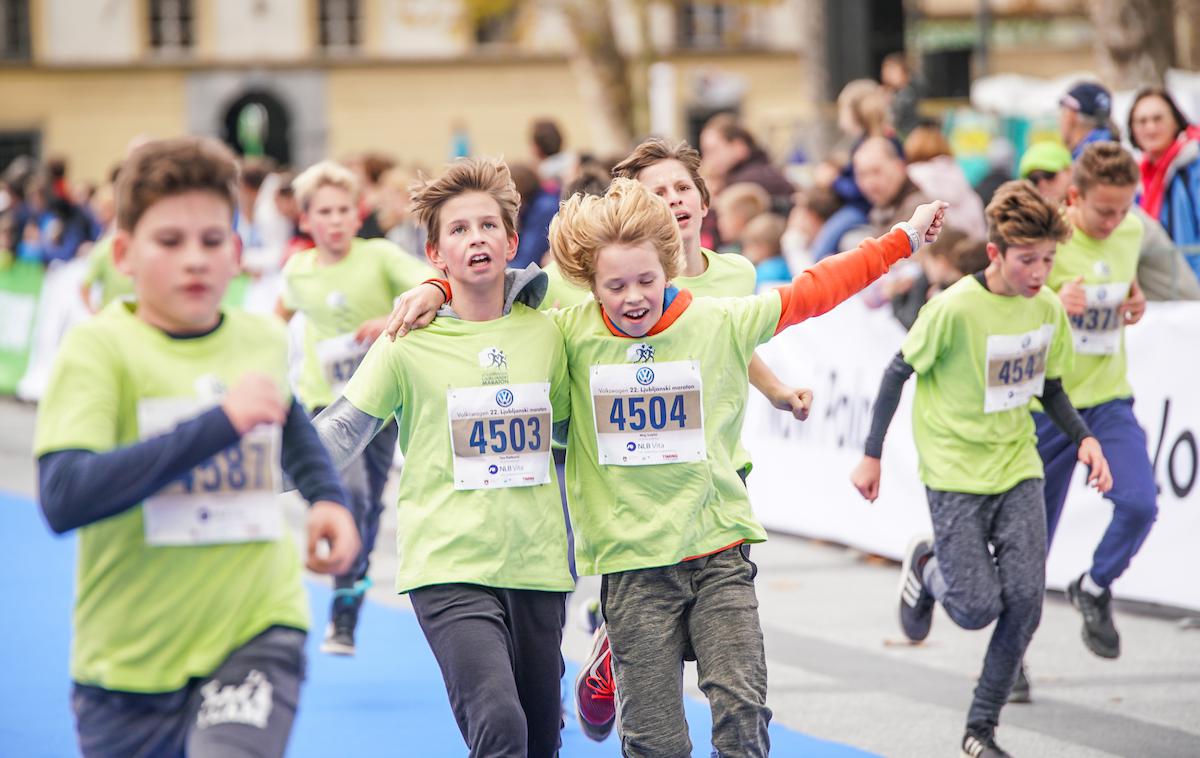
(839, 669)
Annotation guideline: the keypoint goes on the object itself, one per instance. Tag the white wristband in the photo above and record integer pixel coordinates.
(914, 239)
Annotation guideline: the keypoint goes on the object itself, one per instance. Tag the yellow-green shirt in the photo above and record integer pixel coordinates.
(974, 352)
(1108, 268)
(337, 298)
(450, 528)
(150, 618)
(103, 272)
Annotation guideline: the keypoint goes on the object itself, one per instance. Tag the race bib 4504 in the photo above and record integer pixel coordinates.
(648, 413)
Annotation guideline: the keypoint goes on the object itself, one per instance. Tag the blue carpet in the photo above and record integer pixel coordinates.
(386, 701)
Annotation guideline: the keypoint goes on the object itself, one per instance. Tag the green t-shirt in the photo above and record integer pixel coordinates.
(727, 275)
(148, 617)
(559, 292)
(103, 272)
(979, 358)
(502, 382)
(1108, 268)
(674, 404)
(335, 300)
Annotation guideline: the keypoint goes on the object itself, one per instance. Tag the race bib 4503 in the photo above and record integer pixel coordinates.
(500, 435)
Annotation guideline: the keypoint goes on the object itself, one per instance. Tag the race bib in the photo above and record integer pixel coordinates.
(648, 413)
(500, 435)
(231, 497)
(1016, 368)
(1098, 330)
(339, 358)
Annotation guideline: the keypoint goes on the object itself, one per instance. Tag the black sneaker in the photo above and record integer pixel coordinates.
(976, 744)
(339, 636)
(1099, 634)
(916, 604)
(1020, 692)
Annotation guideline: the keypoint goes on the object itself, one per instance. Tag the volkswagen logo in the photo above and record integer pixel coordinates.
(504, 398)
(645, 375)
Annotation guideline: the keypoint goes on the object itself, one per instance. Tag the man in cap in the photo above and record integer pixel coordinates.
(1085, 116)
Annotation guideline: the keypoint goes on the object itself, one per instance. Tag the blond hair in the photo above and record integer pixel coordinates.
(745, 200)
(323, 174)
(627, 214)
(765, 229)
(866, 102)
(487, 175)
(1019, 215)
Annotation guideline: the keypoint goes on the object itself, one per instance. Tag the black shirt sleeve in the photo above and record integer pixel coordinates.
(1058, 407)
(81, 487)
(894, 377)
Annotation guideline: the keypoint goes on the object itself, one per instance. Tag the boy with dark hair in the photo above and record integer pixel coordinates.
(163, 437)
(981, 351)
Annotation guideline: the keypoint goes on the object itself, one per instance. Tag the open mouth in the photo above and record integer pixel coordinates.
(636, 315)
(480, 259)
(681, 216)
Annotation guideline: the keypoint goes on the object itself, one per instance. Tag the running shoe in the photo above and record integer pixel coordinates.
(1099, 634)
(595, 688)
(977, 744)
(916, 604)
(1020, 692)
(339, 635)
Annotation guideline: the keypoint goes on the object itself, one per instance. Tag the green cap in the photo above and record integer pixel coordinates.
(1050, 157)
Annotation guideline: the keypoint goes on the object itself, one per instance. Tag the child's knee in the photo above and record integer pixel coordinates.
(974, 611)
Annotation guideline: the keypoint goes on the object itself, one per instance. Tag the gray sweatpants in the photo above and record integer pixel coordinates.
(244, 709)
(706, 606)
(1005, 584)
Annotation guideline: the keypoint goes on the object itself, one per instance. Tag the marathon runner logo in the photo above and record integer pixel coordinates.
(209, 388)
(494, 363)
(246, 703)
(640, 353)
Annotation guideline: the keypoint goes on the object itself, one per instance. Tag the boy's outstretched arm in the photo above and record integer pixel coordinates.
(866, 474)
(822, 287)
(80, 487)
(795, 401)
(345, 431)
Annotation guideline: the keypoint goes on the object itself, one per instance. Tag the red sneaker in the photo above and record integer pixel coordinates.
(594, 690)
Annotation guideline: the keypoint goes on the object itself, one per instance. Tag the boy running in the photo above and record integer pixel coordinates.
(344, 286)
(981, 351)
(1095, 276)
(482, 543)
(162, 437)
(658, 396)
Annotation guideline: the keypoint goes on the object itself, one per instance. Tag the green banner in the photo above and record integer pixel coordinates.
(20, 284)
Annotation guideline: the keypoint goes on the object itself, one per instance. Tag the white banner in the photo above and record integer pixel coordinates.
(800, 483)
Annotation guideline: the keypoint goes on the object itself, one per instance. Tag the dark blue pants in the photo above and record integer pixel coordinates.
(1134, 495)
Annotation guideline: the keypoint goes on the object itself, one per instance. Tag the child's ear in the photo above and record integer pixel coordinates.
(120, 252)
(304, 226)
(993, 251)
(435, 257)
(511, 253)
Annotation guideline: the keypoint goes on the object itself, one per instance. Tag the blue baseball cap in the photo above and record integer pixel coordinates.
(1088, 98)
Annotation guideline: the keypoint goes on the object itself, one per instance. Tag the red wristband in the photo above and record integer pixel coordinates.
(443, 287)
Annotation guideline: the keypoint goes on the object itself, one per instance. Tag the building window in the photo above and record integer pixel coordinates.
(14, 30)
(709, 25)
(339, 23)
(171, 24)
(496, 27)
